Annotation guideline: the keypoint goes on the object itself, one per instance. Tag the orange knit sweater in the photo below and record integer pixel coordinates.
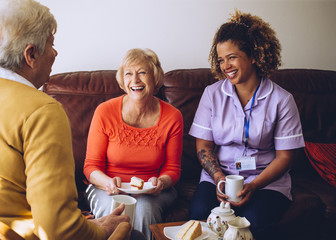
(118, 149)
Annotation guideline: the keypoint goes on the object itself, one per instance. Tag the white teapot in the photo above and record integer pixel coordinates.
(219, 217)
(238, 230)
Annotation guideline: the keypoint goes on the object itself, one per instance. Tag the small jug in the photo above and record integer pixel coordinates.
(218, 219)
(238, 230)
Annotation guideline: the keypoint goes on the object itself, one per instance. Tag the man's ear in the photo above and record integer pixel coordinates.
(30, 54)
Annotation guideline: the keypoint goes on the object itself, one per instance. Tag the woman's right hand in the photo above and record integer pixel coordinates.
(112, 185)
(220, 196)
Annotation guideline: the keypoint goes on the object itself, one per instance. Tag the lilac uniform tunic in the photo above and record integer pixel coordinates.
(274, 125)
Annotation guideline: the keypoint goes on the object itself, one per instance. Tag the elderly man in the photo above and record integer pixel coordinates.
(38, 196)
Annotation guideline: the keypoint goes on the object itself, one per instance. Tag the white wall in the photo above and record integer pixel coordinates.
(95, 34)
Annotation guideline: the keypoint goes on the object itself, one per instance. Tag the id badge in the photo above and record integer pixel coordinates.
(245, 163)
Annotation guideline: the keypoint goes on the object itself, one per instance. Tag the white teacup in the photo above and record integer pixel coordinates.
(130, 203)
(233, 185)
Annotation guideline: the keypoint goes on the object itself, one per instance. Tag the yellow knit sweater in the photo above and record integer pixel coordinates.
(38, 196)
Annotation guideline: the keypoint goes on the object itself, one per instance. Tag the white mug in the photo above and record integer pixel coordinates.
(130, 203)
(233, 185)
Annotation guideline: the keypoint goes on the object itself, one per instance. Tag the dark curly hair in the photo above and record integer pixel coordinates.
(254, 37)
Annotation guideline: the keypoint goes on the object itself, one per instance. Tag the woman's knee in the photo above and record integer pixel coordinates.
(264, 211)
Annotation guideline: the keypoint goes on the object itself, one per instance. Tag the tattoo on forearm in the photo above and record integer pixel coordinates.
(209, 161)
(217, 179)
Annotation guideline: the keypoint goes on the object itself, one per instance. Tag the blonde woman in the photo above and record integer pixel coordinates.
(135, 134)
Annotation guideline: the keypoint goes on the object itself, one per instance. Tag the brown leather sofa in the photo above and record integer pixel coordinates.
(312, 214)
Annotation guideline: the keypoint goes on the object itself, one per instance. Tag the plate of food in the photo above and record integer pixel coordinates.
(136, 186)
(194, 229)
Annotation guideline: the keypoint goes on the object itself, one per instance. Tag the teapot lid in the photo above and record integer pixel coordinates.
(223, 209)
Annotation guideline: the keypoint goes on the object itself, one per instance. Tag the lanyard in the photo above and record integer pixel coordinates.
(247, 121)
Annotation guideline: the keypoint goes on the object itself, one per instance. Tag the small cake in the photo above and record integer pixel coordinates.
(137, 183)
(191, 230)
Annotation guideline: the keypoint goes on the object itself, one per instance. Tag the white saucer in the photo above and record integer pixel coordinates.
(126, 187)
(171, 232)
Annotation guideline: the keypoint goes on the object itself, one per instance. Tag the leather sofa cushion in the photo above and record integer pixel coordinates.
(314, 94)
(183, 89)
(80, 93)
(303, 217)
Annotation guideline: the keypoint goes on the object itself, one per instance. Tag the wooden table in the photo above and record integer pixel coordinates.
(157, 229)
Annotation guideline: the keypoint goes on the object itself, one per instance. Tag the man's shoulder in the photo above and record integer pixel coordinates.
(21, 96)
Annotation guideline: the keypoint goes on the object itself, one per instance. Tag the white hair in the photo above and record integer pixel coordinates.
(23, 22)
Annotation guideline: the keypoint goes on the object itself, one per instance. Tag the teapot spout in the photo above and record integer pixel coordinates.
(219, 227)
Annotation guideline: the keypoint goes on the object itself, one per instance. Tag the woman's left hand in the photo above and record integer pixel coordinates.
(111, 187)
(280, 164)
(245, 194)
(159, 185)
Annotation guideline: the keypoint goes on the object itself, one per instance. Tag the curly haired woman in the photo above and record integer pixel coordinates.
(246, 120)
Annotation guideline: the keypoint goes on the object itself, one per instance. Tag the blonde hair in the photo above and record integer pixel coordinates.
(23, 22)
(137, 55)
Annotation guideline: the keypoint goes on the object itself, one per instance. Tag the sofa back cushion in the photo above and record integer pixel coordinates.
(183, 89)
(314, 92)
(80, 93)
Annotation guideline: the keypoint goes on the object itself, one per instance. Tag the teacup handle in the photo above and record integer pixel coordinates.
(218, 186)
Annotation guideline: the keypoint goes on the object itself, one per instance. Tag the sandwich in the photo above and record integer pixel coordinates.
(191, 230)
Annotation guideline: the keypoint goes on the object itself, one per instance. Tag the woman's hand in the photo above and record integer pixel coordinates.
(111, 187)
(245, 194)
(159, 186)
(280, 164)
(161, 183)
(221, 197)
(101, 181)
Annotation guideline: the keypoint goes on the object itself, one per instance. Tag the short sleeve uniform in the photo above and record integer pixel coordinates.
(274, 125)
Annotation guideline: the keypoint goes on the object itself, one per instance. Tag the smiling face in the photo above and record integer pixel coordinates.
(139, 81)
(235, 64)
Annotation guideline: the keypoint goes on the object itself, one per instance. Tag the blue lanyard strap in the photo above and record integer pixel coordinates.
(247, 122)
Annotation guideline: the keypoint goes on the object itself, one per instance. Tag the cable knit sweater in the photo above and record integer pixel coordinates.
(118, 149)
